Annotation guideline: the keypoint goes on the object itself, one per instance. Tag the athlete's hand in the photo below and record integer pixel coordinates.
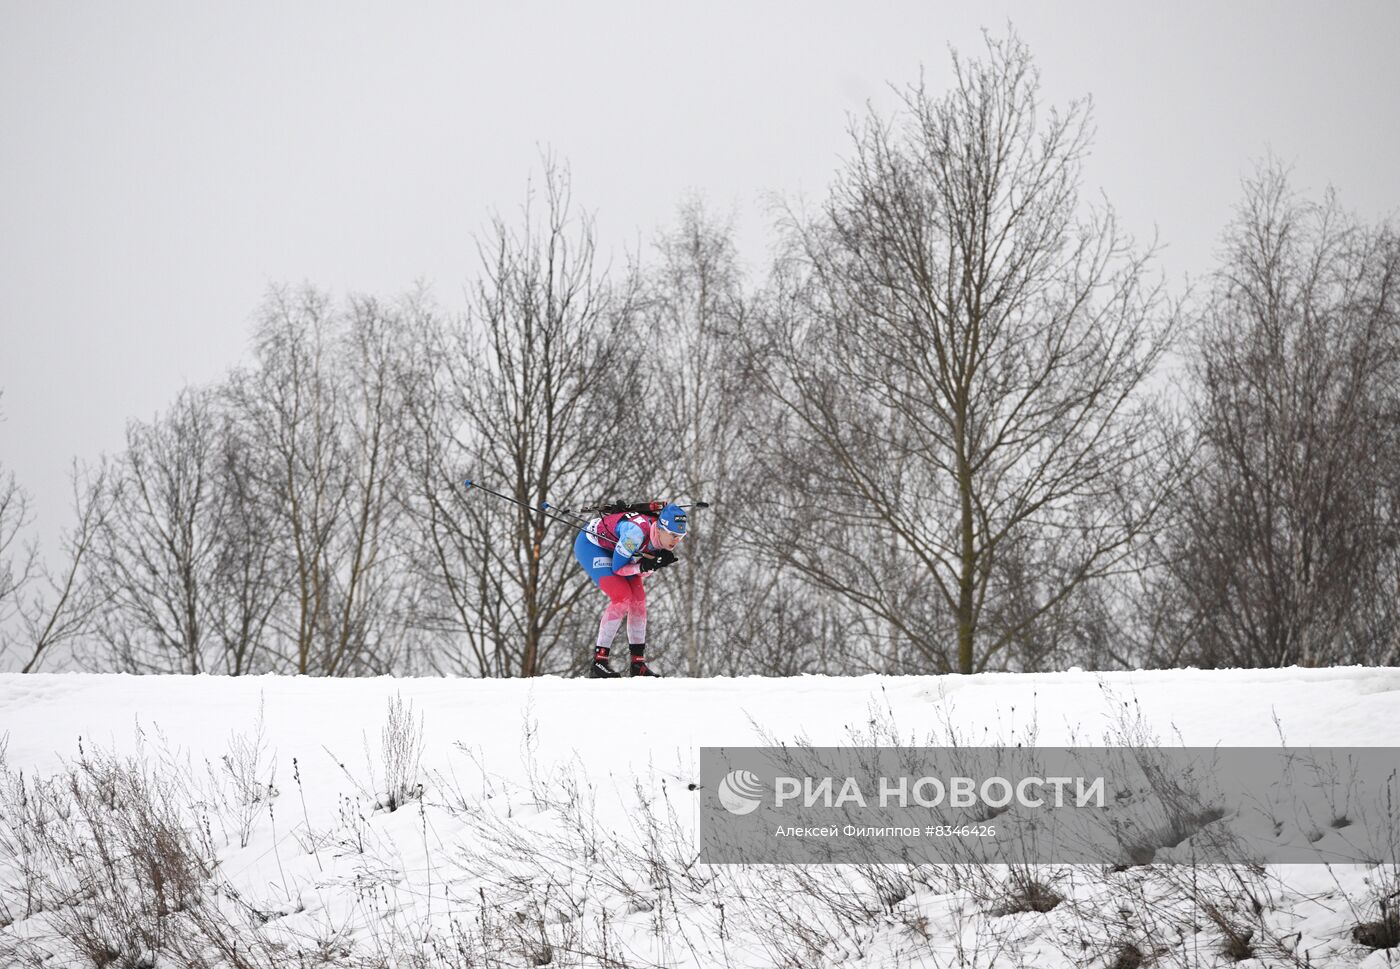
(660, 560)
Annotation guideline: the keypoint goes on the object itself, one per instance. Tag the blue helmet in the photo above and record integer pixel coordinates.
(673, 519)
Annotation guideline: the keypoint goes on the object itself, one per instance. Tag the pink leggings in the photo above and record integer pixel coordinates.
(626, 600)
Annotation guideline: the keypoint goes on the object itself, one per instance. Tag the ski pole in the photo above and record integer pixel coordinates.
(543, 510)
(581, 519)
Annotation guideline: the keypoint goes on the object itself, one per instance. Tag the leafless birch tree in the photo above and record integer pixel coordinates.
(292, 407)
(963, 351)
(322, 415)
(1288, 549)
(153, 562)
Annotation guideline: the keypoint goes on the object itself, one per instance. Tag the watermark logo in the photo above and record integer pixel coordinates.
(740, 792)
(799, 804)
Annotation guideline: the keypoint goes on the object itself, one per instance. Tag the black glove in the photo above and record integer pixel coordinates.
(660, 560)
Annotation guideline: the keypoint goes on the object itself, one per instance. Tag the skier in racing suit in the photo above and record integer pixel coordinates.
(616, 551)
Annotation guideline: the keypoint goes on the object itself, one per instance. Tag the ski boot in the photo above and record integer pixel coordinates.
(600, 670)
(639, 667)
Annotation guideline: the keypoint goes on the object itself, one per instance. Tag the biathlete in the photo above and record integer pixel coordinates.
(616, 551)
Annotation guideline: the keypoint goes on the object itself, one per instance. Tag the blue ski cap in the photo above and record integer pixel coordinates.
(672, 518)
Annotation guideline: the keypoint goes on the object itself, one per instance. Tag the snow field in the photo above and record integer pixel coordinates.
(551, 822)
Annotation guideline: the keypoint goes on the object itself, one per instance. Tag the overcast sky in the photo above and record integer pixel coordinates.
(161, 164)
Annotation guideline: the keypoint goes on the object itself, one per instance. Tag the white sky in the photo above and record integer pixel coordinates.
(161, 164)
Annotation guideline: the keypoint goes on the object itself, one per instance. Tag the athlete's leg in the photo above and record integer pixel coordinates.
(598, 564)
(618, 608)
(637, 611)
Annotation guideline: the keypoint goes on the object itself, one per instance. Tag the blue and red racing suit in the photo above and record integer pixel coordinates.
(610, 549)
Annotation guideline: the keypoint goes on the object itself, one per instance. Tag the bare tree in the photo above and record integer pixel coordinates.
(695, 307)
(60, 613)
(291, 403)
(1289, 543)
(963, 356)
(321, 418)
(255, 526)
(19, 562)
(540, 387)
(246, 576)
(154, 556)
(736, 609)
(184, 560)
(373, 596)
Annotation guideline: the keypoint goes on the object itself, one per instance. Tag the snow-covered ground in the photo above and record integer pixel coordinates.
(551, 822)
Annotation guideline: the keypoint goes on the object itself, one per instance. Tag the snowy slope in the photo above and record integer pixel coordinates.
(555, 815)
